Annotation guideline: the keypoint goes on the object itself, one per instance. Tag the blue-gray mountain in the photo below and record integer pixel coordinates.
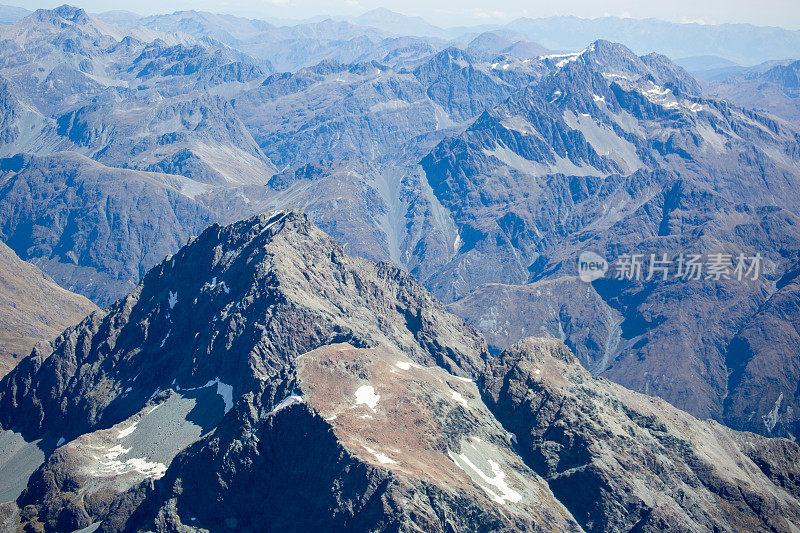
(773, 87)
(481, 175)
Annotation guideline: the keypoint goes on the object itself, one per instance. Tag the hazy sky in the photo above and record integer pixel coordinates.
(785, 13)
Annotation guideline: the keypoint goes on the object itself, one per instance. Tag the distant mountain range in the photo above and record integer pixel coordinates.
(772, 87)
(469, 167)
(743, 44)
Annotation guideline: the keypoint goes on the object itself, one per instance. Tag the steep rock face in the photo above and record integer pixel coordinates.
(562, 308)
(346, 133)
(225, 318)
(595, 441)
(768, 87)
(251, 281)
(32, 308)
(458, 86)
(262, 379)
(200, 138)
(763, 385)
(617, 154)
(381, 443)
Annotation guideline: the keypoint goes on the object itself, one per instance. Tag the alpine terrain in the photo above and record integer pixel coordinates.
(262, 379)
(364, 273)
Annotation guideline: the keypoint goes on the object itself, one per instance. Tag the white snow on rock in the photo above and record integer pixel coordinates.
(173, 299)
(116, 451)
(223, 389)
(499, 491)
(286, 402)
(152, 469)
(403, 365)
(381, 457)
(213, 285)
(771, 419)
(460, 399)
(280, 216)
(165, 338)
(113, 466)
(465, 380)
(226, 391)
(366, 395)
(127, 431)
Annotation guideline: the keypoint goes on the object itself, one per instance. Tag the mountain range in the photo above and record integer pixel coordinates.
(466, 172)
(329, 244)
(261, 364)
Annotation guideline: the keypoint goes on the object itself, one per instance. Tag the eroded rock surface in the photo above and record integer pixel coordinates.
(620, 460)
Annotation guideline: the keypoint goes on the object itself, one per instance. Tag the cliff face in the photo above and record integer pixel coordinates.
(621, 460)
(263, 379)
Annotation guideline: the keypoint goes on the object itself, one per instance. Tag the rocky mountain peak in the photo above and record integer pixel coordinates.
(238, 304)
(61, 17)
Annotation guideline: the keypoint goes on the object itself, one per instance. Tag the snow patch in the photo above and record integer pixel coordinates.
(460, 399)
(114, 466)
(173, 299)
(279, 215)
(366, 395)
(223, 389)
(501, 492)
(403, 365)
(772, 418)
(61, 441)
(381, 457)
(213, 285)
(226, 391)
(292, 399)
(127, 431)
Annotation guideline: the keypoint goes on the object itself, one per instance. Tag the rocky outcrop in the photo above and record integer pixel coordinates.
(95, 229)
(768, 87)
(226, 317)
(618, 154)
(619, 460)
(376, 442)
